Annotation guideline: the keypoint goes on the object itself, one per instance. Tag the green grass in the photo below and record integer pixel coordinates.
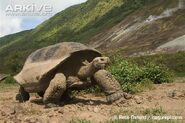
(174, 62)
(154, 111)
(8, 84)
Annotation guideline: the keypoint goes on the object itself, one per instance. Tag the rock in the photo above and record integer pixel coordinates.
(138, 100)
(130, 103)
(51, 115)
(55, 109)
(12, 111)
(51, 105)
(176, 94)
(149, 98)
(54, 120)
(8, 111)
(31, 120)
(61, 111)
(96, 109)
(89, 108)
(91, 102)
(3, 113)
(179, 94)
(127, 96)
(80, 104)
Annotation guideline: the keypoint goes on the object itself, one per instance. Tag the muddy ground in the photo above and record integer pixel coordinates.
(164, 100)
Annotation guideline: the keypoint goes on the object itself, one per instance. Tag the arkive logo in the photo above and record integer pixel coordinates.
(28, 8)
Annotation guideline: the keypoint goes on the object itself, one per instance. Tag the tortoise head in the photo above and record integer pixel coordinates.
(100, 62)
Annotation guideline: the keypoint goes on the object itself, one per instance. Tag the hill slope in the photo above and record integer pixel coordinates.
(146, 29)
(130, 25)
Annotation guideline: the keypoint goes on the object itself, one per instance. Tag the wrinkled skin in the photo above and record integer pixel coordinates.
(94, 70)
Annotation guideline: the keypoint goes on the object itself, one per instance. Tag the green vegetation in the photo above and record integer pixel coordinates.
(9, 80)
(135, 78)
(157, 73)
(174, 62)
(7, 40)
(154, 111)
(7, 84)
(95, 89)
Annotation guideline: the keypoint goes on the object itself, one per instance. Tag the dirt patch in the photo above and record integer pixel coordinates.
(168, 97)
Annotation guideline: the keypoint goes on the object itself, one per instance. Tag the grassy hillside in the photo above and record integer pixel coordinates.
(77, 23)
(8, 40)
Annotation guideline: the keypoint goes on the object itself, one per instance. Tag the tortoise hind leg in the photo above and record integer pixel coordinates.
(22, 96)
(55, 89)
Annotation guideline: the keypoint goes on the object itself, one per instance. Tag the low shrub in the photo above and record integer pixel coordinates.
(157, 73)
(133, 78)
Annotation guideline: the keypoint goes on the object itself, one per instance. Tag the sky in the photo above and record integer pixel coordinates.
(19, 15)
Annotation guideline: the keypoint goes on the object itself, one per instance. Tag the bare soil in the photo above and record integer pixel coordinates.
(170, 98)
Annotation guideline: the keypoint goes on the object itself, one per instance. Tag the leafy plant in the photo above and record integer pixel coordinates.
(157, 73)
(136, 87)
(133, 78)
(124, 71)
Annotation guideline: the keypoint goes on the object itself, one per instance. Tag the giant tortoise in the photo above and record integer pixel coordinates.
(53, 70)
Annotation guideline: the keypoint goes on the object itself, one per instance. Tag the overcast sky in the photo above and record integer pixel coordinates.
(10, 22)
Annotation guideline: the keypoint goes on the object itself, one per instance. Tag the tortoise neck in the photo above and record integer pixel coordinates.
(87, 71)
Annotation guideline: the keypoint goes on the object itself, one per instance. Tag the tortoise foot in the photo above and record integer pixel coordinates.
(115, 96)
(22, 96)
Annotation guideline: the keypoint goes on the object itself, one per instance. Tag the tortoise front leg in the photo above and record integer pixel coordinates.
(109, 85)
(22, 96)
(55, 89)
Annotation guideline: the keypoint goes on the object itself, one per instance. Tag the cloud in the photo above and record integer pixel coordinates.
(9, 25)
(13, 24)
